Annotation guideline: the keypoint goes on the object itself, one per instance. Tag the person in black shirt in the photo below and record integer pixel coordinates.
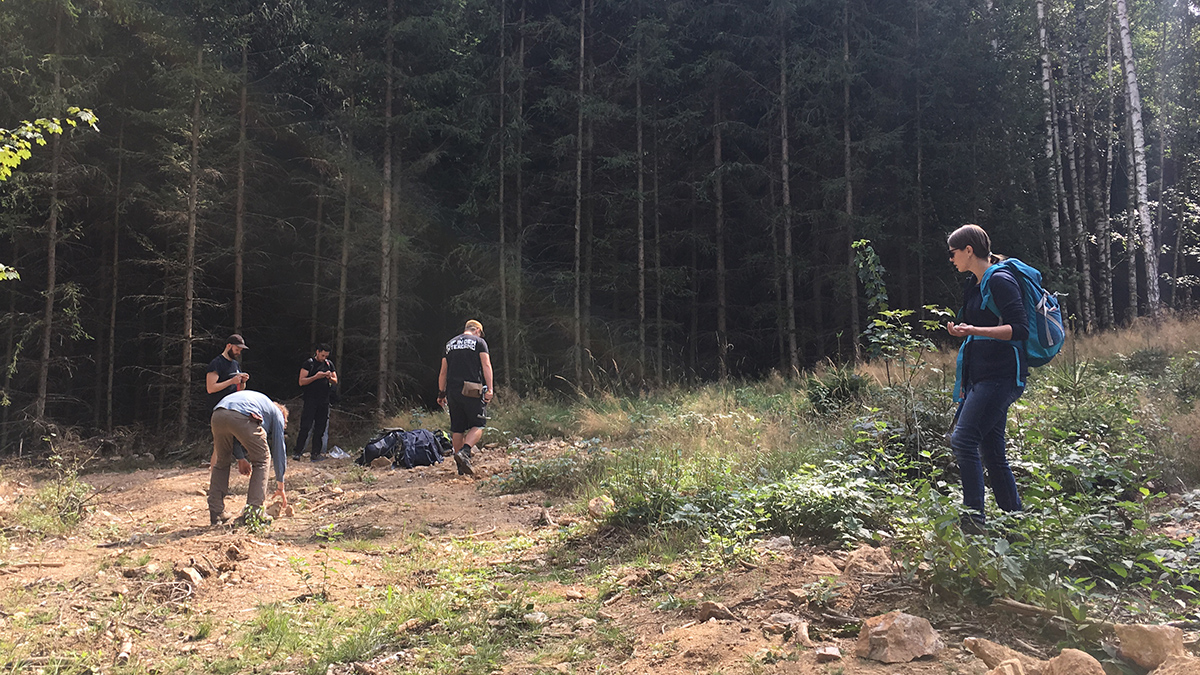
(992, 376)
(465, 386)
(225, 377)
(317, 377)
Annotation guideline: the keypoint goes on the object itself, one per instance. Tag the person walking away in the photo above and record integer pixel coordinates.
(258, 423)
(993, 371)
(317, 377)
(465, 388)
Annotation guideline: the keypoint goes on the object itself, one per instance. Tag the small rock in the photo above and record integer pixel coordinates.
(783, 543)
(828, 653)
(572, 594)
(1073, 662)
(188, 574)
(897, 637)
(1178, 665)
(868, 559)
(536, 618)
(714, 610)
(600, 507)
(200, 493)
(633, 579)
(1010, 667)
(798, 596)
(993, 654)
(606, 616)
(584, 624)
(289, 511)
(336, 490)
(274, 509)
(784, 619)
(823, 566)
(152, 569)
(381, 463)
(1150, 646)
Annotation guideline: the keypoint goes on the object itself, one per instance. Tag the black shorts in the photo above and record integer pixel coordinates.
(465, 413)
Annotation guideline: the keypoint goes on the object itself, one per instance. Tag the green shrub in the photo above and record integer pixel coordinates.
(837, 388)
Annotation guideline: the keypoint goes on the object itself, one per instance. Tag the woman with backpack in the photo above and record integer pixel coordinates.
(992, 373)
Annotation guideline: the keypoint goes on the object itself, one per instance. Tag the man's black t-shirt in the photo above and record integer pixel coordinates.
(224, 368)
(317, 391)
(462, 360)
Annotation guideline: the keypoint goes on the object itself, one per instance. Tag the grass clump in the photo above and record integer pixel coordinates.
(60, 505)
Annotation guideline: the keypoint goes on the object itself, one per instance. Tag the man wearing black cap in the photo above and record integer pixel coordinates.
(225, 377)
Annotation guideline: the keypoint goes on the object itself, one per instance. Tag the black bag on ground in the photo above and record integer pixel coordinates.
(384, 446)
(419, 447)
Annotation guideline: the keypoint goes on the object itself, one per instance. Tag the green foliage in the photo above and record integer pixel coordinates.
(562, 474)
(836, 388)
(61, 504)
(16, 145)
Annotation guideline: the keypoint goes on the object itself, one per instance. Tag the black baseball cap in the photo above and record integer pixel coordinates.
(236, 340)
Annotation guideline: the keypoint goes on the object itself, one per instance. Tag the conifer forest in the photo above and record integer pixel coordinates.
(625, 192)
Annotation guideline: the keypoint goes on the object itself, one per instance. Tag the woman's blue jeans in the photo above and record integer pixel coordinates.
(978, 442)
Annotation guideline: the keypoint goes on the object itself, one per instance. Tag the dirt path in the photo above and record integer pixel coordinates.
(150, 521)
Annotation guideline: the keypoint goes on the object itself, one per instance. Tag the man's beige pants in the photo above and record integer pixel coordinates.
(228, 425)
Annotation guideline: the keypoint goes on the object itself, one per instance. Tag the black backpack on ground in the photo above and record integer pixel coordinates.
(419, 447)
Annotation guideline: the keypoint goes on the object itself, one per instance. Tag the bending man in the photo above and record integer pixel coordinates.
(258, 424)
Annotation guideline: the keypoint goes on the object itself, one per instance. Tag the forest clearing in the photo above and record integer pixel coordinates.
(594, 534)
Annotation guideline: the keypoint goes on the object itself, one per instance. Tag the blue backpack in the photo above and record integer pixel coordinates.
(1046, 329)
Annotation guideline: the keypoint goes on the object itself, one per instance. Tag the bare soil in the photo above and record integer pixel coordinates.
(155, 516)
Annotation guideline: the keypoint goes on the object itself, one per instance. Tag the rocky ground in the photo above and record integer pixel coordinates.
(147, 544)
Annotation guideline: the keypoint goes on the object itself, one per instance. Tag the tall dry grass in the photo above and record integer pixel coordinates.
(1172, 334)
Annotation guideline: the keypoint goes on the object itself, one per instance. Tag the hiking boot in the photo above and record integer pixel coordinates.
(464, 463)
(972, 525)
(319, 458)
(467, 450)
(219, 518)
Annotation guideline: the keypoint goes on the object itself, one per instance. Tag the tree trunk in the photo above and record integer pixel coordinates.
(1051, 155)
(577, 352)
(1105, 234)
(115, 288)
(920, 177)
(641, 228)
(658, 278)
(239, 210)
(10, 346)
(719, 195)
(1087, 303)
(344, 265)
(501, 169)
(1131, 229)
(851, 272)
(189, 279)
(385, 229)
(518, 266)
(39, 406)
(1138, 142)
(316, 269)
(785, 178)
